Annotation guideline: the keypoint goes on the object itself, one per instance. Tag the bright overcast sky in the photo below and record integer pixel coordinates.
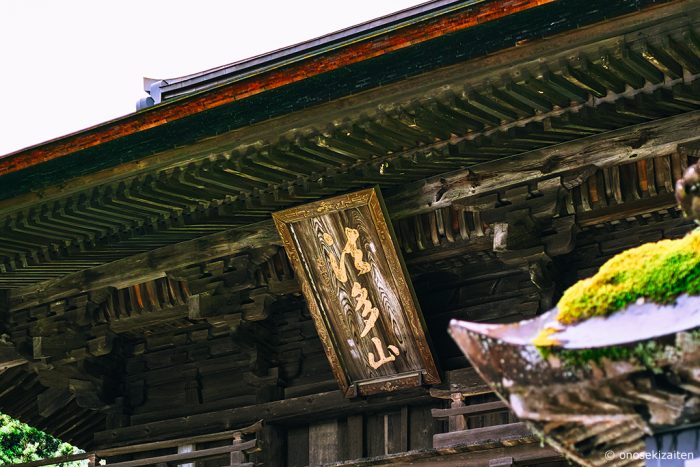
(66, 65)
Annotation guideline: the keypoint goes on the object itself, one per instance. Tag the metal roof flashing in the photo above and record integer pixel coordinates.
(160, 90)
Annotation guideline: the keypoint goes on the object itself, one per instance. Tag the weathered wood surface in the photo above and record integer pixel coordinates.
(510, 434)
(170, 443)
(189, 456)
(483, 292)
(324, 442)
(339, 305)
(170, 388)
(355, 436)
(427, 232)
(163, 372)
(473, 409)
(283, 411)
(239, 443)
(464, 381)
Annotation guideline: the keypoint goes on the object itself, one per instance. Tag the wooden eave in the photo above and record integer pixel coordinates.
(496, 108)
(375, 61)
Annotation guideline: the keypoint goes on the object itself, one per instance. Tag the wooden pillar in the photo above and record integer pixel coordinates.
(237, 458)
(271, 441)
(324, 443)
(355, 439)
(457, 422)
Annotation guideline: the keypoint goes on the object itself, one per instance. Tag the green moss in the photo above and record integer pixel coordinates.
(644, 353)
(657, 272)
(647, 354)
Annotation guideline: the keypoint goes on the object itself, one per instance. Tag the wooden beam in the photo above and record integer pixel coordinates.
(326, 404)
(58, 460)
(171, 443)
(474, 409)
(465, 381)
(188, 456)
(652, 139)
(630, 209)
(482, 455)
(147, 266)
(511, 433)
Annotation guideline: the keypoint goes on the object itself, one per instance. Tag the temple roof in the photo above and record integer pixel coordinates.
(422, 96)
(549, 118)
(170, 88)
(451, 33)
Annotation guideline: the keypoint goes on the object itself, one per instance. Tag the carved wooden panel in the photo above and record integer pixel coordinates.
(346, 259)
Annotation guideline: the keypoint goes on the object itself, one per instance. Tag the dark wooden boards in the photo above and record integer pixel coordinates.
(292, 410)
(150, 265)
(644, 141)
(9, 357)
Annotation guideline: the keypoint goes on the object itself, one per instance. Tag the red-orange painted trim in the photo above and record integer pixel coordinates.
(348, 55)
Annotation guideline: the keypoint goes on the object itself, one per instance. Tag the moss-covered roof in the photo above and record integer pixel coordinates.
(658, 272)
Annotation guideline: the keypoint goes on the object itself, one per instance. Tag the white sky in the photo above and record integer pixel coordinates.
(66, 65)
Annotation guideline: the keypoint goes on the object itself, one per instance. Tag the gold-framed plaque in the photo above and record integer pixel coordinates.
(345, 257)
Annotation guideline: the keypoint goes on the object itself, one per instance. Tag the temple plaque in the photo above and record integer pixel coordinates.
(344, 254)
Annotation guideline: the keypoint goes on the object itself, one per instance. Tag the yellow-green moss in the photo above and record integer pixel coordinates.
(651, 354)
(657, 272)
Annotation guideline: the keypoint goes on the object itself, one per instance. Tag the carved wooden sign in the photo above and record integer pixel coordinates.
(346, 260)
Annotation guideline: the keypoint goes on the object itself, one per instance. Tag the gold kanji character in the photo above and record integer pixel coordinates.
(369, 313)
(380, 352)
(351, 249)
